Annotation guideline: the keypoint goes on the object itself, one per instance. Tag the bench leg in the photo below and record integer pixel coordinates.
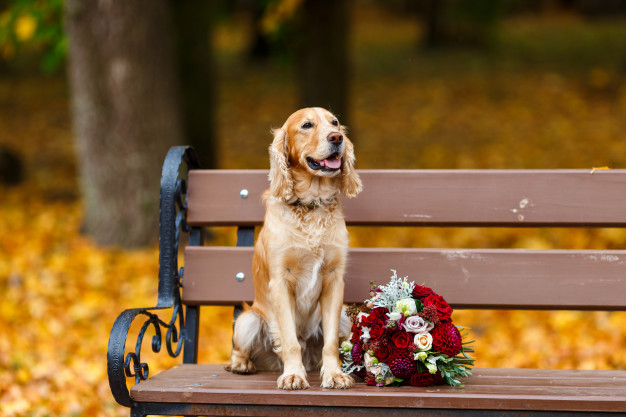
(192, 326)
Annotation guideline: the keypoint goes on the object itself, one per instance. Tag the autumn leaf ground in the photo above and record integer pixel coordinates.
(547, 95)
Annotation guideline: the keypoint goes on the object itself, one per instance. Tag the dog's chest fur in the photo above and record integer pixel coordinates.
(312, 228)
(315, 241)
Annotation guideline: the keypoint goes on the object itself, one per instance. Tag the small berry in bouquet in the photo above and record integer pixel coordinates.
(404, 334)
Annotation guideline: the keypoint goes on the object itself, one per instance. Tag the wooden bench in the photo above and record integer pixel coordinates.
(469, 279)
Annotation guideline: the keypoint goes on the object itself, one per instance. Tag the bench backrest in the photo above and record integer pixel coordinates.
(468, 278)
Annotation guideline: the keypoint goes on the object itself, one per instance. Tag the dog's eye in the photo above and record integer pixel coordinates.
(335, 123)
(307, 125)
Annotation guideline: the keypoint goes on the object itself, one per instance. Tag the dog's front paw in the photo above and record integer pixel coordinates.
(292, 382)
(241, 366)
(338, 380)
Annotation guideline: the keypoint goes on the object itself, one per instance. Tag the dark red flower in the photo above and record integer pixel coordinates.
(356, 334)
(444, 311)
(370, 379)
(379, 313)
(447, 339)
(357, 353)
(402, 364)
(377, 329)
(424, 379)
(401, 339)
(421, 292)
(360, 373)
(430, 313)
(382, 351)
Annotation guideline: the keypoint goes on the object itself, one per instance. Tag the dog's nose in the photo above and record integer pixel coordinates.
(335, 138)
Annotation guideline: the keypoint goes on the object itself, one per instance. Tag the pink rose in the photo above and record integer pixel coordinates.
(416, 324)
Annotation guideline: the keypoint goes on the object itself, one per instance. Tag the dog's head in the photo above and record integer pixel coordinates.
(312, 142)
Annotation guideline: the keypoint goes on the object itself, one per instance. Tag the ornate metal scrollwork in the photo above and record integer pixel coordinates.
(133, 367)
(173, 221)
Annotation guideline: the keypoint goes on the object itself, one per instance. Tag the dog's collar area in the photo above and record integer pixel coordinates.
(311, 205)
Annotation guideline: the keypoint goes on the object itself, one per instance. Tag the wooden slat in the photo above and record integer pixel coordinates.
(489, 278)
(435, 197)
(525, 389)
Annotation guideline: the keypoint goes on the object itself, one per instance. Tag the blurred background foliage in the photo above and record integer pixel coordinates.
(31, 34)
(431, 84)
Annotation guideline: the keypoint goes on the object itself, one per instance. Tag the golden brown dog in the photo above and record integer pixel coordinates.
(300, 257)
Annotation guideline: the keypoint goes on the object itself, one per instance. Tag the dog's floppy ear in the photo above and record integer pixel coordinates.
(281, 182)
(351, 184)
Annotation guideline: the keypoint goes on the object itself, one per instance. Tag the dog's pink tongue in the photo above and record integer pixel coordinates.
(332, 163)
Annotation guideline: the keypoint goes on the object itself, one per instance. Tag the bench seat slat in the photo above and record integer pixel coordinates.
(526, 389)
(556, 198)
(476, 278)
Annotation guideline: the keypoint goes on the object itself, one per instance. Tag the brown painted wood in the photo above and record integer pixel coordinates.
(526, 389)
(486, 278)
(435, 197)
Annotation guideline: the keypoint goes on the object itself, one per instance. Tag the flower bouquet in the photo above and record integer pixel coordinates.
(404, 334)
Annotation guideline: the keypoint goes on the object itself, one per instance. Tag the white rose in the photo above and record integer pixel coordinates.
(423, 341)
(416, 324)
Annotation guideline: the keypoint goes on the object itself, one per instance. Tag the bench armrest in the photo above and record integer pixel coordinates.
(121, 364)
(172, 221)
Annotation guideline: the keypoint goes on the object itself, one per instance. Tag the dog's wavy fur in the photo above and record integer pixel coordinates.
(296, 323)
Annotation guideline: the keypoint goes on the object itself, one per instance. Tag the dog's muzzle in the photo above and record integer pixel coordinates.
(329, 164)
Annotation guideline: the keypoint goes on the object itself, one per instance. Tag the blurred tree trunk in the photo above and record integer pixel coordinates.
(432, 23)
(323, 57)
(125, 112)
(11, 167)
(193, 21)
(260, 49)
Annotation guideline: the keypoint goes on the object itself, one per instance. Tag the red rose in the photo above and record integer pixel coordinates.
(425, 379)
(382, 352)
(401, 339)
(421, 292)
(444, 311)
(377, 329)
(356, 334)
(379, 313)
